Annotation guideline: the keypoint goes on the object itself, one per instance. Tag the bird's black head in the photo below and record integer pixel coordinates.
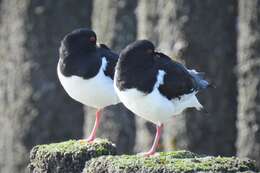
(79, 41)
(139, 47)
(137, 52)
(136, 55)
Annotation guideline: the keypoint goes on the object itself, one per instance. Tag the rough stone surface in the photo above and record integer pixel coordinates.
(168, 162)
(99, 157)
(67, 157)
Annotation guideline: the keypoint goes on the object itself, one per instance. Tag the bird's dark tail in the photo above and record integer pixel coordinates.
(200, 81)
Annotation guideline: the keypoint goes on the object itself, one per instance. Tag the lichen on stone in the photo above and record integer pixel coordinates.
(69, 156)
(99, 156)
(168, 162)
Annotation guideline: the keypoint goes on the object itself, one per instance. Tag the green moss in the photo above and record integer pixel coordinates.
(71, 156)
(68, 156)
(178, 161)
(179, 154)
(72, 146)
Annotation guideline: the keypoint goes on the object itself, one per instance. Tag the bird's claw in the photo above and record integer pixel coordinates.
(148, 154)
(84, 141)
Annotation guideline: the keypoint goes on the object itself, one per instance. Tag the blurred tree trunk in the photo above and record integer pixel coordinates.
(209, 44)
(115, 24)
(248, 143)
(203, 35)
(34, 108)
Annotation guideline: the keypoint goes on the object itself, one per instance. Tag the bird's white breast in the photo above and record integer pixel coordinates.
(96, 92)
(154, 106)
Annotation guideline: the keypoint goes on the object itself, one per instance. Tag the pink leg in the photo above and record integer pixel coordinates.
(156, 141)
(93, 133)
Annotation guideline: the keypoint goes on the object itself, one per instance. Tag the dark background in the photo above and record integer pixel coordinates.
(221, 38)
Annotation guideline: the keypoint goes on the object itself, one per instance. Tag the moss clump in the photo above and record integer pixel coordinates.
(168, 162)
(69, 156)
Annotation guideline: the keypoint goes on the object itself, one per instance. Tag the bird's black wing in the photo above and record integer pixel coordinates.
(177, 79)
(111, 58)
(79, 65)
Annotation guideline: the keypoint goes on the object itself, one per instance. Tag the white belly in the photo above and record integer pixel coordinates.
(96, 92)
(155, 107)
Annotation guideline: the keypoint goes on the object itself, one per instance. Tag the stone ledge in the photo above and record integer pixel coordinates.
(67, 157)
(168, 162)
(99, 157)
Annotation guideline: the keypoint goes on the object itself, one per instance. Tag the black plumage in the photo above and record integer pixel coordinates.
(155, 87)
(81, 56)
(138, 68)
(86, 72)
(111, 58)
(177, 80)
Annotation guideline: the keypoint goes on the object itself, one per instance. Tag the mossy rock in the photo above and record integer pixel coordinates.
(98, 157)
(67, 157)
(168, 162)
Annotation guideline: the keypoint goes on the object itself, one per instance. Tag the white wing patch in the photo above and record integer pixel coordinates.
(192, 71)
(160, 78)
(104, 63)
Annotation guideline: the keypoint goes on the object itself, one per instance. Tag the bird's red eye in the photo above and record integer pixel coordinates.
(92, 39)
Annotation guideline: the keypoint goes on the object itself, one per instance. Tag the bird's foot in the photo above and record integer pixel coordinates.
(147, 154)
(91, 139)
(88, 140)
(92, 136)
(82, 141)
(155, 143)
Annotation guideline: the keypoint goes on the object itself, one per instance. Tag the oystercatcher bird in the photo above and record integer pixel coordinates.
(86, 70)
(155, 87)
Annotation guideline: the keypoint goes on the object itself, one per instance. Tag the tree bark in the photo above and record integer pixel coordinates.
(203, 35)
(248, 142)
(115, 24)
(210, 33)
(34, 108)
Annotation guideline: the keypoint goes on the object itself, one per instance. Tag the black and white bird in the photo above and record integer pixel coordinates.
(155, 87)
(86, 71)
